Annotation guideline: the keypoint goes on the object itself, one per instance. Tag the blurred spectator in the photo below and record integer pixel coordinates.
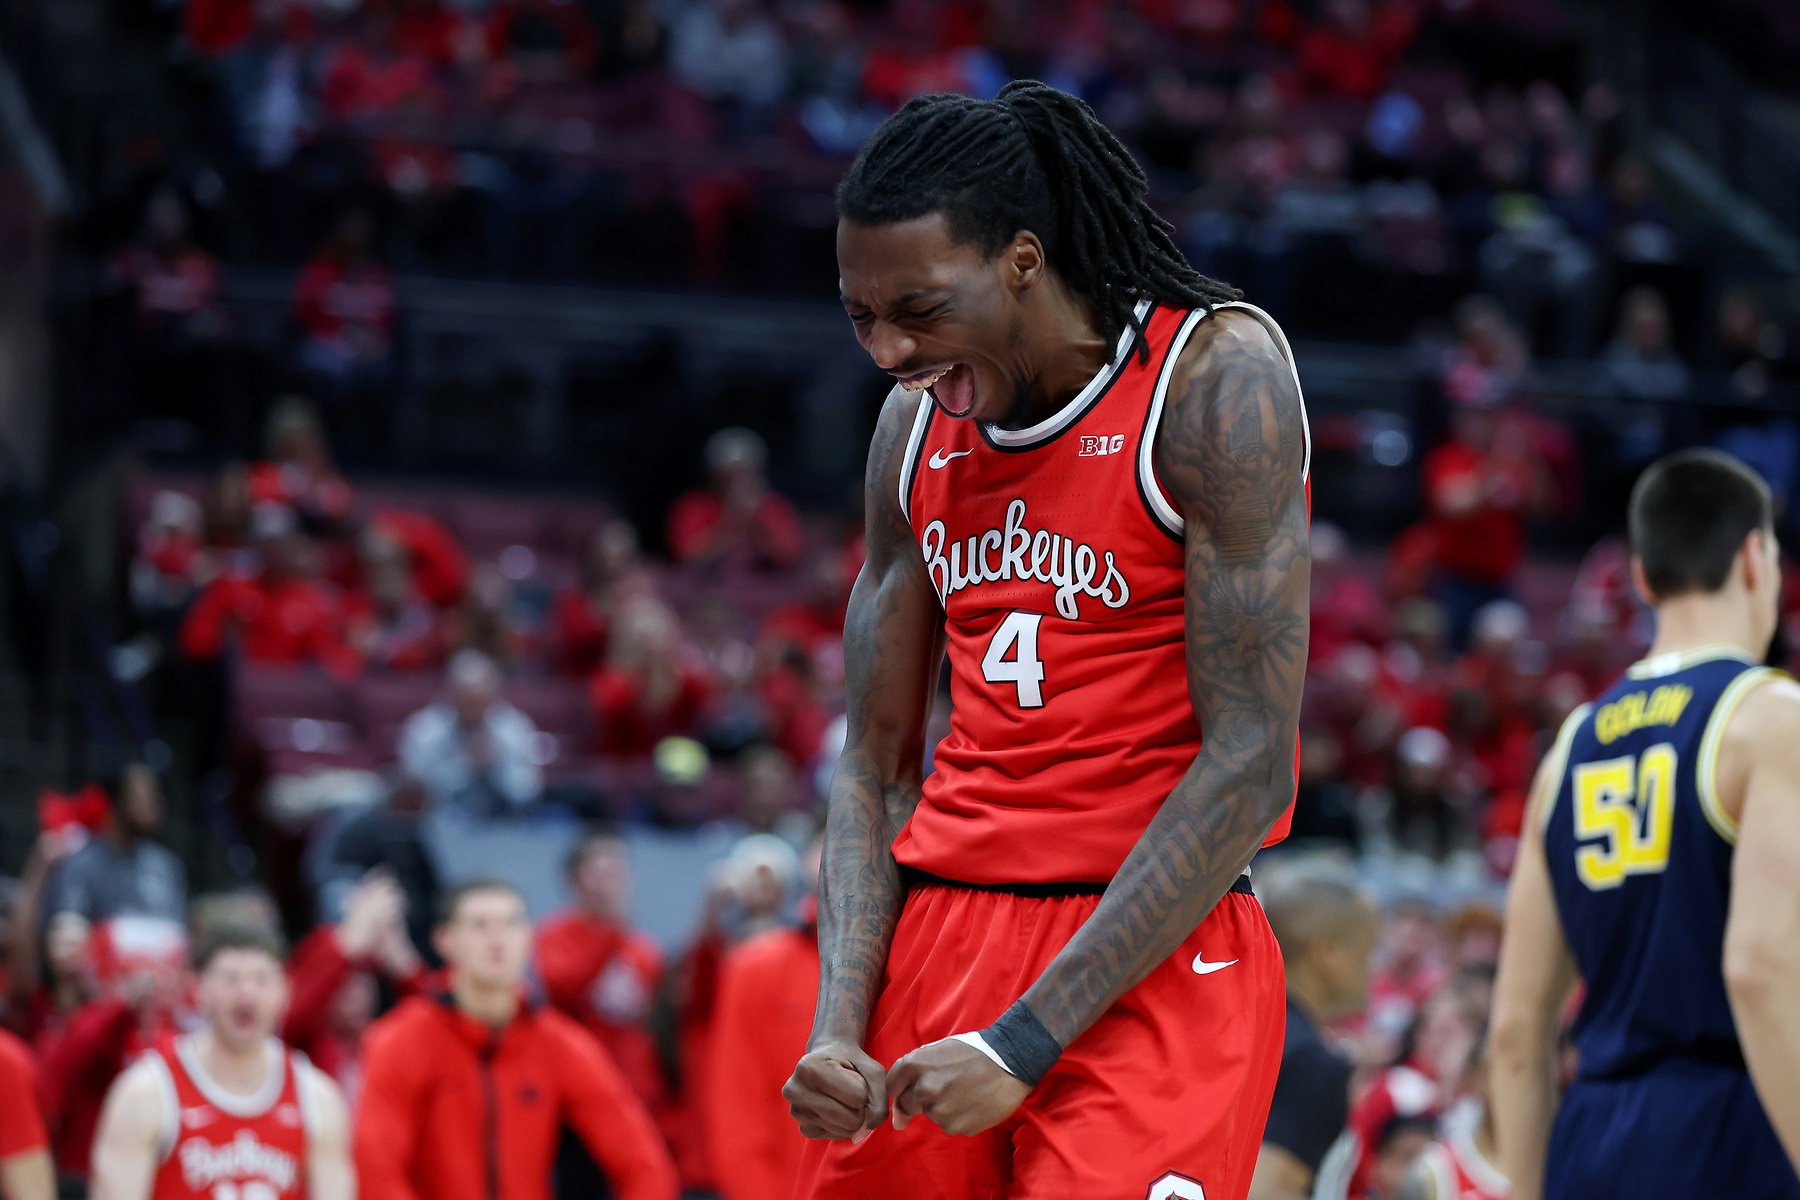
(344, 306)
(736, 521)
(166, 568)
(1327, 929)
(282, 616)
(1416, 803)
(488, 619)
(472, 750)
(761, 876)
(123, 872)
(44, 976)
(1409, 970)
(612, 575)
(767, 783)
(391, 623)
(334, 974)
(434, 1065)
(787, 689)
(1641, 361)
(385, 840)
(1462, 1163)
(1642, 232)
(1479, 488)
(599, 969)
(298, 473)
(768, 986)
(174, 283)
(649, 689)
(25, 1169)
(175, 349)
(1751, 347)
(730, 51)
(440, 569)
(813, 627)
(141, 982)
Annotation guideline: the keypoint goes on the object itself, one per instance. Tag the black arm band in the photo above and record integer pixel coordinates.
(1023, 1043)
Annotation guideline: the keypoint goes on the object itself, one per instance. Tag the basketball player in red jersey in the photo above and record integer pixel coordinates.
(1089, 488)
(228, 1112)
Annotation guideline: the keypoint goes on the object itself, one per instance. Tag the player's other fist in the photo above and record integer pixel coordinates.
(956, 1086)
(837, 1092)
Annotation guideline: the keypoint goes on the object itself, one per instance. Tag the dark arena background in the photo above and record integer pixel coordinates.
(361, 360)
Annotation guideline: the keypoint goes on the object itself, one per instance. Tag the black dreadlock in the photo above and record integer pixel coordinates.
(1038, 159)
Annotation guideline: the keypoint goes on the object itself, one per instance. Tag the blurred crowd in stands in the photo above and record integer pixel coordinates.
(1400, 150)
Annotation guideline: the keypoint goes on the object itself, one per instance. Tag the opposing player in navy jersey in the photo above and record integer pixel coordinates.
(1660, 866)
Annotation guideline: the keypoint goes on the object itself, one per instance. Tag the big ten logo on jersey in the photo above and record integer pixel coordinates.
(245, 1168)
(1097, 444)
(1175, 1187)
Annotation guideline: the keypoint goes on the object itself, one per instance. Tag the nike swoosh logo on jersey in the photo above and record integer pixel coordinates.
(1202, 967)
(940, 459)
(194, 1118)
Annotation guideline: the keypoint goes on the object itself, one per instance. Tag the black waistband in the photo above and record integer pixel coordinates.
(914, 878)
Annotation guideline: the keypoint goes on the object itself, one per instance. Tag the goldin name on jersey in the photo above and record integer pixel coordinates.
(1017, 552)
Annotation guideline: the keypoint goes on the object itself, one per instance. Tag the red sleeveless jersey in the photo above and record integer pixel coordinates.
(1058, 560)
(222, 1146)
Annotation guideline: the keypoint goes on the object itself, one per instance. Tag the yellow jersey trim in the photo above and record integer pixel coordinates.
(1558, 759)
(1706, 771)
(1681, 660)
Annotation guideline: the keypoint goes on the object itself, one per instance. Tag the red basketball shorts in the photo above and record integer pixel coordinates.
(1163, 1099)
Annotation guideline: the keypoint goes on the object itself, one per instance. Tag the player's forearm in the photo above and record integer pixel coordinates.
(859, 897)
(1194, 849)
(1763, 981)
(1523, 1056)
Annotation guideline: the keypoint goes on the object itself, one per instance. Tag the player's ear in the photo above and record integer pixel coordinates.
(1640, 583)
(1752, 554)
(1022, 262)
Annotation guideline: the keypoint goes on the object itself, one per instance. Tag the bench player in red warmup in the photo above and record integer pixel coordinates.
(1089, 487)
(228, 1112)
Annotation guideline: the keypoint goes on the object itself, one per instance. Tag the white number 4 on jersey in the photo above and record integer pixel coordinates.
(1176, 1187)
(1018, 636)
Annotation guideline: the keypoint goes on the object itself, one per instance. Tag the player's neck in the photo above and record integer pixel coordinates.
(240, 1070)
(1697, 620)
(492, 1006)
(1063, 350)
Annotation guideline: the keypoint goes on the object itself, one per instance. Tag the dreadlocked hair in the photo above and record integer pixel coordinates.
(1036, 159)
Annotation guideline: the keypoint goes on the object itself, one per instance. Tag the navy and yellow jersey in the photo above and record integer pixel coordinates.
(1639, 851)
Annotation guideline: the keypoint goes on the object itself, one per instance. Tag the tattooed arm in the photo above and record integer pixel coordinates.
(1230, 452)
(893, 643)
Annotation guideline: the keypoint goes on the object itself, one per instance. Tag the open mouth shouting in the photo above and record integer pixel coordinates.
(951, 387)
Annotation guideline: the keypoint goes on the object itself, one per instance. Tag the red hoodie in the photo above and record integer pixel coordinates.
(78, 1059)
(605, 976)
(767, 989)
(454, 1110)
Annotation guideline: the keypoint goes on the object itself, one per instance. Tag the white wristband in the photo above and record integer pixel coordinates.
(980, 1043)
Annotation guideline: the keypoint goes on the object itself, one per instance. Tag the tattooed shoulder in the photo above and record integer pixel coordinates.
(1230, 448)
